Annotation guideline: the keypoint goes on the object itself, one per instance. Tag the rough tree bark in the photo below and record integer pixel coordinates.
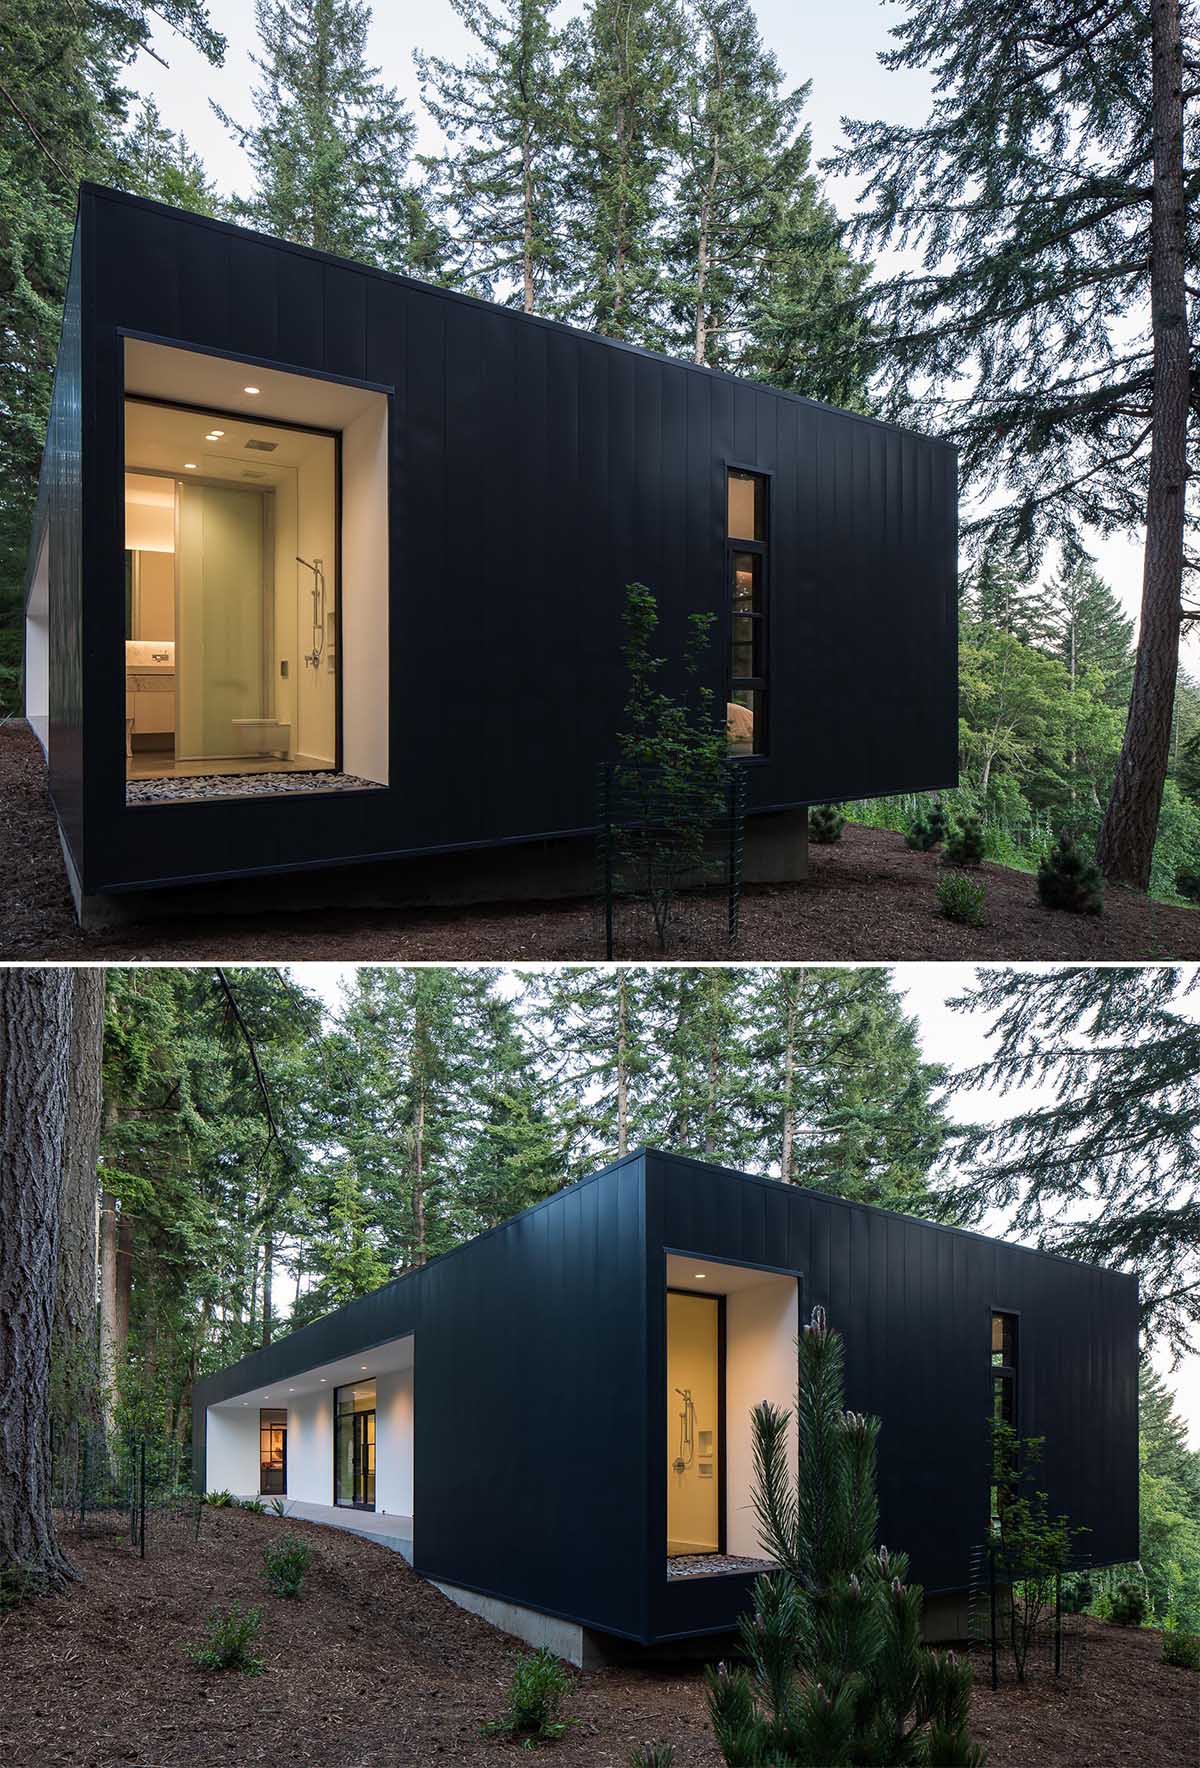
(35, 1052)
(75, 1347)
(1126, 844)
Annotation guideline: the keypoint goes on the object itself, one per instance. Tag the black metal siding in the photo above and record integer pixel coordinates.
(913, 1302)
(535, 471)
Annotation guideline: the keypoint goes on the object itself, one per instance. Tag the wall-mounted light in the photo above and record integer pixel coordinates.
(249, 389)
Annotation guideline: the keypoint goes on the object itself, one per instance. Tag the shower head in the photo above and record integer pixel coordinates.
(305, 563)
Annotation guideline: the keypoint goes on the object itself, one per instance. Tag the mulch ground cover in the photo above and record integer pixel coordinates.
(868, 898)
(373, 1667)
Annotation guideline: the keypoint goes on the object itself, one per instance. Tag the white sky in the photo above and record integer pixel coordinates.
(957, 1040)
(836, 47)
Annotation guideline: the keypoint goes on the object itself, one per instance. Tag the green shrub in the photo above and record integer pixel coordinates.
(1068, 879)
(1181, 1649)
(254, 1505)
(1187, 883)
(286, 1563)
(18, 1585)
(220, 1500)
(962, 899)
(654, 1755)
(929, 828)
(229, 1642)
(965, 844)
(278, 1507)
(535, 1695)
(825, 823)
(1127, 1605)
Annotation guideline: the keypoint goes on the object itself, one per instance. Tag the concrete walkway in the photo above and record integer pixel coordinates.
(395, 1532)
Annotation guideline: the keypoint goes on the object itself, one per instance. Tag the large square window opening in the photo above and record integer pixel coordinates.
(231, 594)
(746, 535)
(730, 1340)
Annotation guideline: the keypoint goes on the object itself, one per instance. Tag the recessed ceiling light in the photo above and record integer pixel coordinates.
(249, 389)
(216, 432)
(190, 465)
(322, 1378)
(701, 1275)
(213, 436)
(362, 1365)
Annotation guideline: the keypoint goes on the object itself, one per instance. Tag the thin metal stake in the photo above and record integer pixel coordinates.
(142, 1529)
(992, 1583)
(608, 864)
(1057, 1622)
(83, 1480)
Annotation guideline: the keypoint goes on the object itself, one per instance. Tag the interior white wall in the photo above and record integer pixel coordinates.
(286, 586)
(363, 594)
(315, 727)
(394, 1443)
(310, 1446)
(37, 647)
(761, 1326)
(232, 1450)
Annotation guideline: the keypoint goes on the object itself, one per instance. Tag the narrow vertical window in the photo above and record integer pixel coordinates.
(1004, 1396)
(746, 533)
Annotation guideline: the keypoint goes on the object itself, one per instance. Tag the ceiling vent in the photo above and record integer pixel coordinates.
(248, 474)
(262, 447)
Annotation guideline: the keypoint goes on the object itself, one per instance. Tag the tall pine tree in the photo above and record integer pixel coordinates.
(330, 145)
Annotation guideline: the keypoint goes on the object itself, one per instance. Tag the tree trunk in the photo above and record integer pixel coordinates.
(622, 1072)
(789, 1075)
(1126, 845)
(419, 1175)
(268, 1261)
(109, 1362)
(75, 1353)
(35, 1056)
(527, 254)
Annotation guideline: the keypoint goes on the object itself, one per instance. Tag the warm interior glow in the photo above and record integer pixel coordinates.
(693, 1481)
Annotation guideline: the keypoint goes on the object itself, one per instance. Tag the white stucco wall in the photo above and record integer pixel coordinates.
(310, 1447)
(394, 1443)
(364, 594)
(761, 1324)
(232, 1455)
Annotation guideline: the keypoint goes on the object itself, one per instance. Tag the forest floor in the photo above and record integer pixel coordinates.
(373, 1666)
(868, 898)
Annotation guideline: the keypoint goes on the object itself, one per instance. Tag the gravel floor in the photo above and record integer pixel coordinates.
(868, 899)
(195, 788)
(374, 1666)
(712, 1565)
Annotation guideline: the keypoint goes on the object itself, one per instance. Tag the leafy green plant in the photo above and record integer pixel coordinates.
(278, 1507)
(229, 1642)
(1031, 1548)
(1187, 883)
(962, 899)
(929, 828)
(255, 1506)
(1181, 1649)
(966, 844)
(220, 1500)
(837, 1672)
(18, 1584)
(535, 1696)
(1068, 879)
(825, 823)
(653, 1755)
(1126, 1605)
(286, 1562)
(671, 771)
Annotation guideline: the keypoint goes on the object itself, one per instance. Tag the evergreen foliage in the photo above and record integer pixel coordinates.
(1109, 1169)
(965, 844)
(825, 823)
(535, 1696)
(1182, 1650)
(929, 829)
(1031, 1548)
(229, 1642)
(962, 899)
(329, 144)
(837, 1673)
(1169, 1498)
(1126, 1607)
(1068, 879)
(286, 1563)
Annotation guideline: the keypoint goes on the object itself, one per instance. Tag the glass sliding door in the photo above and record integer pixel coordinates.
(695, 1326)
(221, 646)
(272, 1450)
(354, 1446)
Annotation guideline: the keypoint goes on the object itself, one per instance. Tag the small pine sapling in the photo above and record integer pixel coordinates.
(965, 844)
(837, 1672)
(1068, 879)
(535, 1697)
(229, 1642)
(286, 1563)
(1031, 1548)
(929, 829)
(1181, 1649)
(1126, 1607)
(962, 899)
(825, 823)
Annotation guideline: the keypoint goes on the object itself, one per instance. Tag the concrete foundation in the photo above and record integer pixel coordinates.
(528, 872)
(566, 1639)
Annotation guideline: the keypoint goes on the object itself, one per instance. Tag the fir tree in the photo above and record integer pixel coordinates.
(155, 162)
(1086, 628)
(837, 1672)
(700, 1078)
(743, 164)
(498, 187)
(593, 1036)
(1169, 1487)
(1109, 1168)
(329, 144)
(622, 61)
(997, 591)
(1047, 330)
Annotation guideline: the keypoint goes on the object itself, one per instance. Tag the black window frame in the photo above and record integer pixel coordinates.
(367, 1412)
(719, 1299)
(279, 1423)
(759, 683)
(1004, 1369)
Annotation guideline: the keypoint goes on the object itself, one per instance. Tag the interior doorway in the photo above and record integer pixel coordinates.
(272, 1451)
(695, 1423)
(354, 1446)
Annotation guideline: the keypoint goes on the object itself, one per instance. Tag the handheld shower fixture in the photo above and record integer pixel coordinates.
(687, 1431)
(317, 568)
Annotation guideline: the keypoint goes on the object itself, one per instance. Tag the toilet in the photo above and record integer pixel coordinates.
(262, 736)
